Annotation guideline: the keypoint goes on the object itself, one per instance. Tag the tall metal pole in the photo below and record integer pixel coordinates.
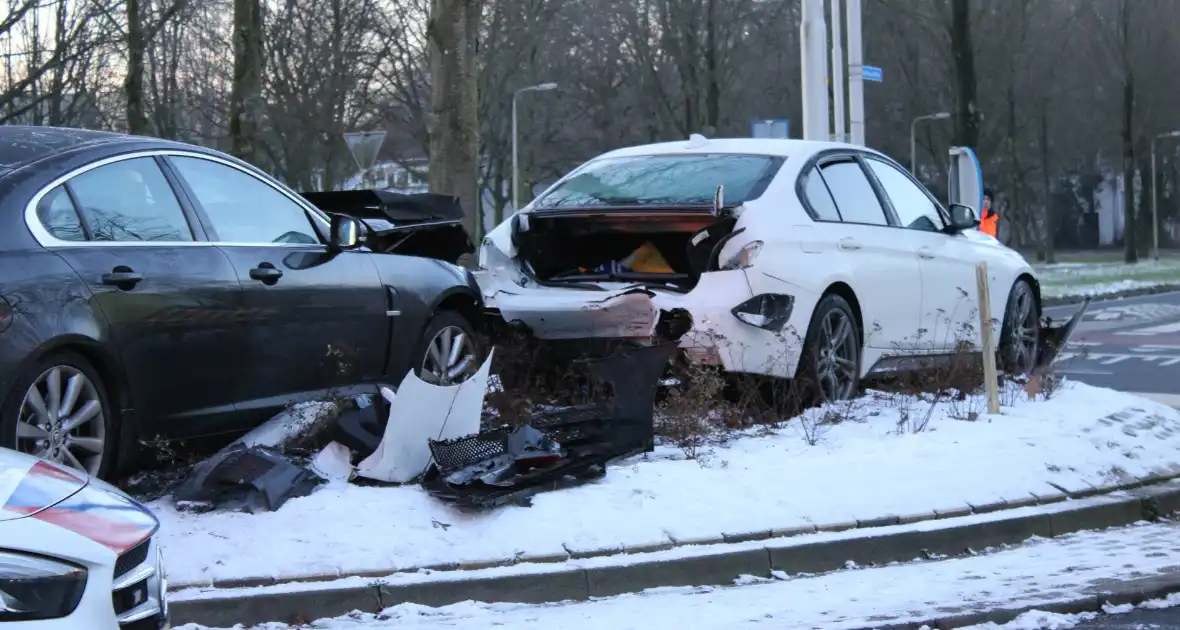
(541, 87)
(914, 147)
(856, 75)
(515, 160)
(1155, 219)
(813, 44)
(838, 108)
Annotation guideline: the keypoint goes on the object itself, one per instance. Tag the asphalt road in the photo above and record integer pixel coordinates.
(1130, 344)
(1163, 619)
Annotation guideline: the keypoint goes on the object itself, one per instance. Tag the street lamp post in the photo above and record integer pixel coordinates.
(913, 139)
(542, 87)
(1155, 220)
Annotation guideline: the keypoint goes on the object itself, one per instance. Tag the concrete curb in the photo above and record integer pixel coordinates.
(1132, 592)
(717, 566)
(1075, 299)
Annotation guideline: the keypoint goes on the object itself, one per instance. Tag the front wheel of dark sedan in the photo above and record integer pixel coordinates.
(58, 410)
(449, 352)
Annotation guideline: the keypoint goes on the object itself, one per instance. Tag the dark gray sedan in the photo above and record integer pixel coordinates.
(152, 288)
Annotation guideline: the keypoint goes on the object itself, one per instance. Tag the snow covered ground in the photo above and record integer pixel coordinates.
(1068, 279)
(873, 463)
(1034, 574)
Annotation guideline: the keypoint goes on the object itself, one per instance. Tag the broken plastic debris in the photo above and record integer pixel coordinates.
(418, 413)
(252, 479)
(333, 463)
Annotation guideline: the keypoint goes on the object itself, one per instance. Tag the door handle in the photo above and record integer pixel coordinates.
(849, 244)
(266, 273)
(122, 277)
(926, 253)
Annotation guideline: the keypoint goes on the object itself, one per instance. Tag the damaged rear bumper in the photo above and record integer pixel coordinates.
(732, 320)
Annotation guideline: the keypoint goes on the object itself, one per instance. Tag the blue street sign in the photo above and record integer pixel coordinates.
(873, 73)
(770, 128)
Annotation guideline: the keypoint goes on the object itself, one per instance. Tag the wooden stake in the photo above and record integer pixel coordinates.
(991, 380)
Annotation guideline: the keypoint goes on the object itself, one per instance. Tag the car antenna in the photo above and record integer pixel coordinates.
(718, 200)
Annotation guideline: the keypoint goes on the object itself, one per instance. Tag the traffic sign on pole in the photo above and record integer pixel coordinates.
(873, 73)
(364, 146)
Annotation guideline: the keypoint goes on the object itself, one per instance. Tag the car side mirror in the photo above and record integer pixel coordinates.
(346, 233)
(962, 218)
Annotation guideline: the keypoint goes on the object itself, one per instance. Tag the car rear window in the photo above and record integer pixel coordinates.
(665, 180)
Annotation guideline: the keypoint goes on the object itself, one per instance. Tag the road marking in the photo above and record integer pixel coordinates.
(1162, 329)
(1108, 358)
(1084, 372)
(1171, 400)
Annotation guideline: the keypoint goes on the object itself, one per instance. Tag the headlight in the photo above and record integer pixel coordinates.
(34, 588)
(745, 256)
(483, 253)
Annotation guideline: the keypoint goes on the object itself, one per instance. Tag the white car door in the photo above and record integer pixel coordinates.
(887, 280)
(949, 311)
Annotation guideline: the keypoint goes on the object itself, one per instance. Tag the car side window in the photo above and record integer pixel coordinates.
(242, 208)
(819, 198)
(913, 206)
(855, 198)
(130, 200)
(60, 218)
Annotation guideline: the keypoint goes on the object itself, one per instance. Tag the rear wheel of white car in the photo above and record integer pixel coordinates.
(449, 351)
(830, 365)
(58, 410)
(1021, 332)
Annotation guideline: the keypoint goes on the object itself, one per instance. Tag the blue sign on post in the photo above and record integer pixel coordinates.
(873, 73)
(770, 128)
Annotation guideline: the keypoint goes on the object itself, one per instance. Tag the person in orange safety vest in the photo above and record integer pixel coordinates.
(989, 219)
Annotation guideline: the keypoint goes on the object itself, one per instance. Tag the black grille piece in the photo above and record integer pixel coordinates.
(131, 559)
(451, 455)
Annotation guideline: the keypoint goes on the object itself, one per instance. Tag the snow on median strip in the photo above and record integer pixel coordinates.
(862, 469)
(1039, 573)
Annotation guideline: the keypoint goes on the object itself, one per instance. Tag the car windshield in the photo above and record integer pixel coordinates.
(665, 180)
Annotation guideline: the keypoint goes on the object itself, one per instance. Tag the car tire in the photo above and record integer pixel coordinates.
(98, 432)
(433, 344)
(829, 368)
(1020, 333)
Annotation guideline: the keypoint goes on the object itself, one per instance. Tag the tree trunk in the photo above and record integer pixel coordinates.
(1050, 226)
(137, 122)
(453, 35)
(1130, 253)
(246, 93)
(967, 120)
(713, 87)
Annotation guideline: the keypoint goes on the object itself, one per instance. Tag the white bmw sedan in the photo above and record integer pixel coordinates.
(779, 257)
(75, 552)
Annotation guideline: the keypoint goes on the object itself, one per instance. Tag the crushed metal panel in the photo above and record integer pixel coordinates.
(574, 314)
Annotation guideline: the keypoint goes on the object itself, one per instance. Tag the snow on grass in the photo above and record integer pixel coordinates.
(1105, 278)
(861, 468)
(1035, 574)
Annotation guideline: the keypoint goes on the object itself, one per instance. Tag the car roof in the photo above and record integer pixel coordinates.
(25, 144)
(757, 146)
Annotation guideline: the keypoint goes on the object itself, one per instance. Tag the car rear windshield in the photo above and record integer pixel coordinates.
(665, 180)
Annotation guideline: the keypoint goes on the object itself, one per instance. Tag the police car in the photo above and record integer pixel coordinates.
(75, 552)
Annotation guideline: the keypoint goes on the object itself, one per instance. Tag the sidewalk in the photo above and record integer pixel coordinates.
(1067, 574)
(890, 461)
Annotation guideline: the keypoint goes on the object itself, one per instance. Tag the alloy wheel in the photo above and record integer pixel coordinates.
(835, 361)
(450, 357)
(61, 419)
(1023, 330)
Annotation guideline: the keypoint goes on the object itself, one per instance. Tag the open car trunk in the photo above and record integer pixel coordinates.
(429, 225)
(668, 247)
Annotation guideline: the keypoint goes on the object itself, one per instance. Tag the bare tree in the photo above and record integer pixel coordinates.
(453, 36)
(245, 110)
